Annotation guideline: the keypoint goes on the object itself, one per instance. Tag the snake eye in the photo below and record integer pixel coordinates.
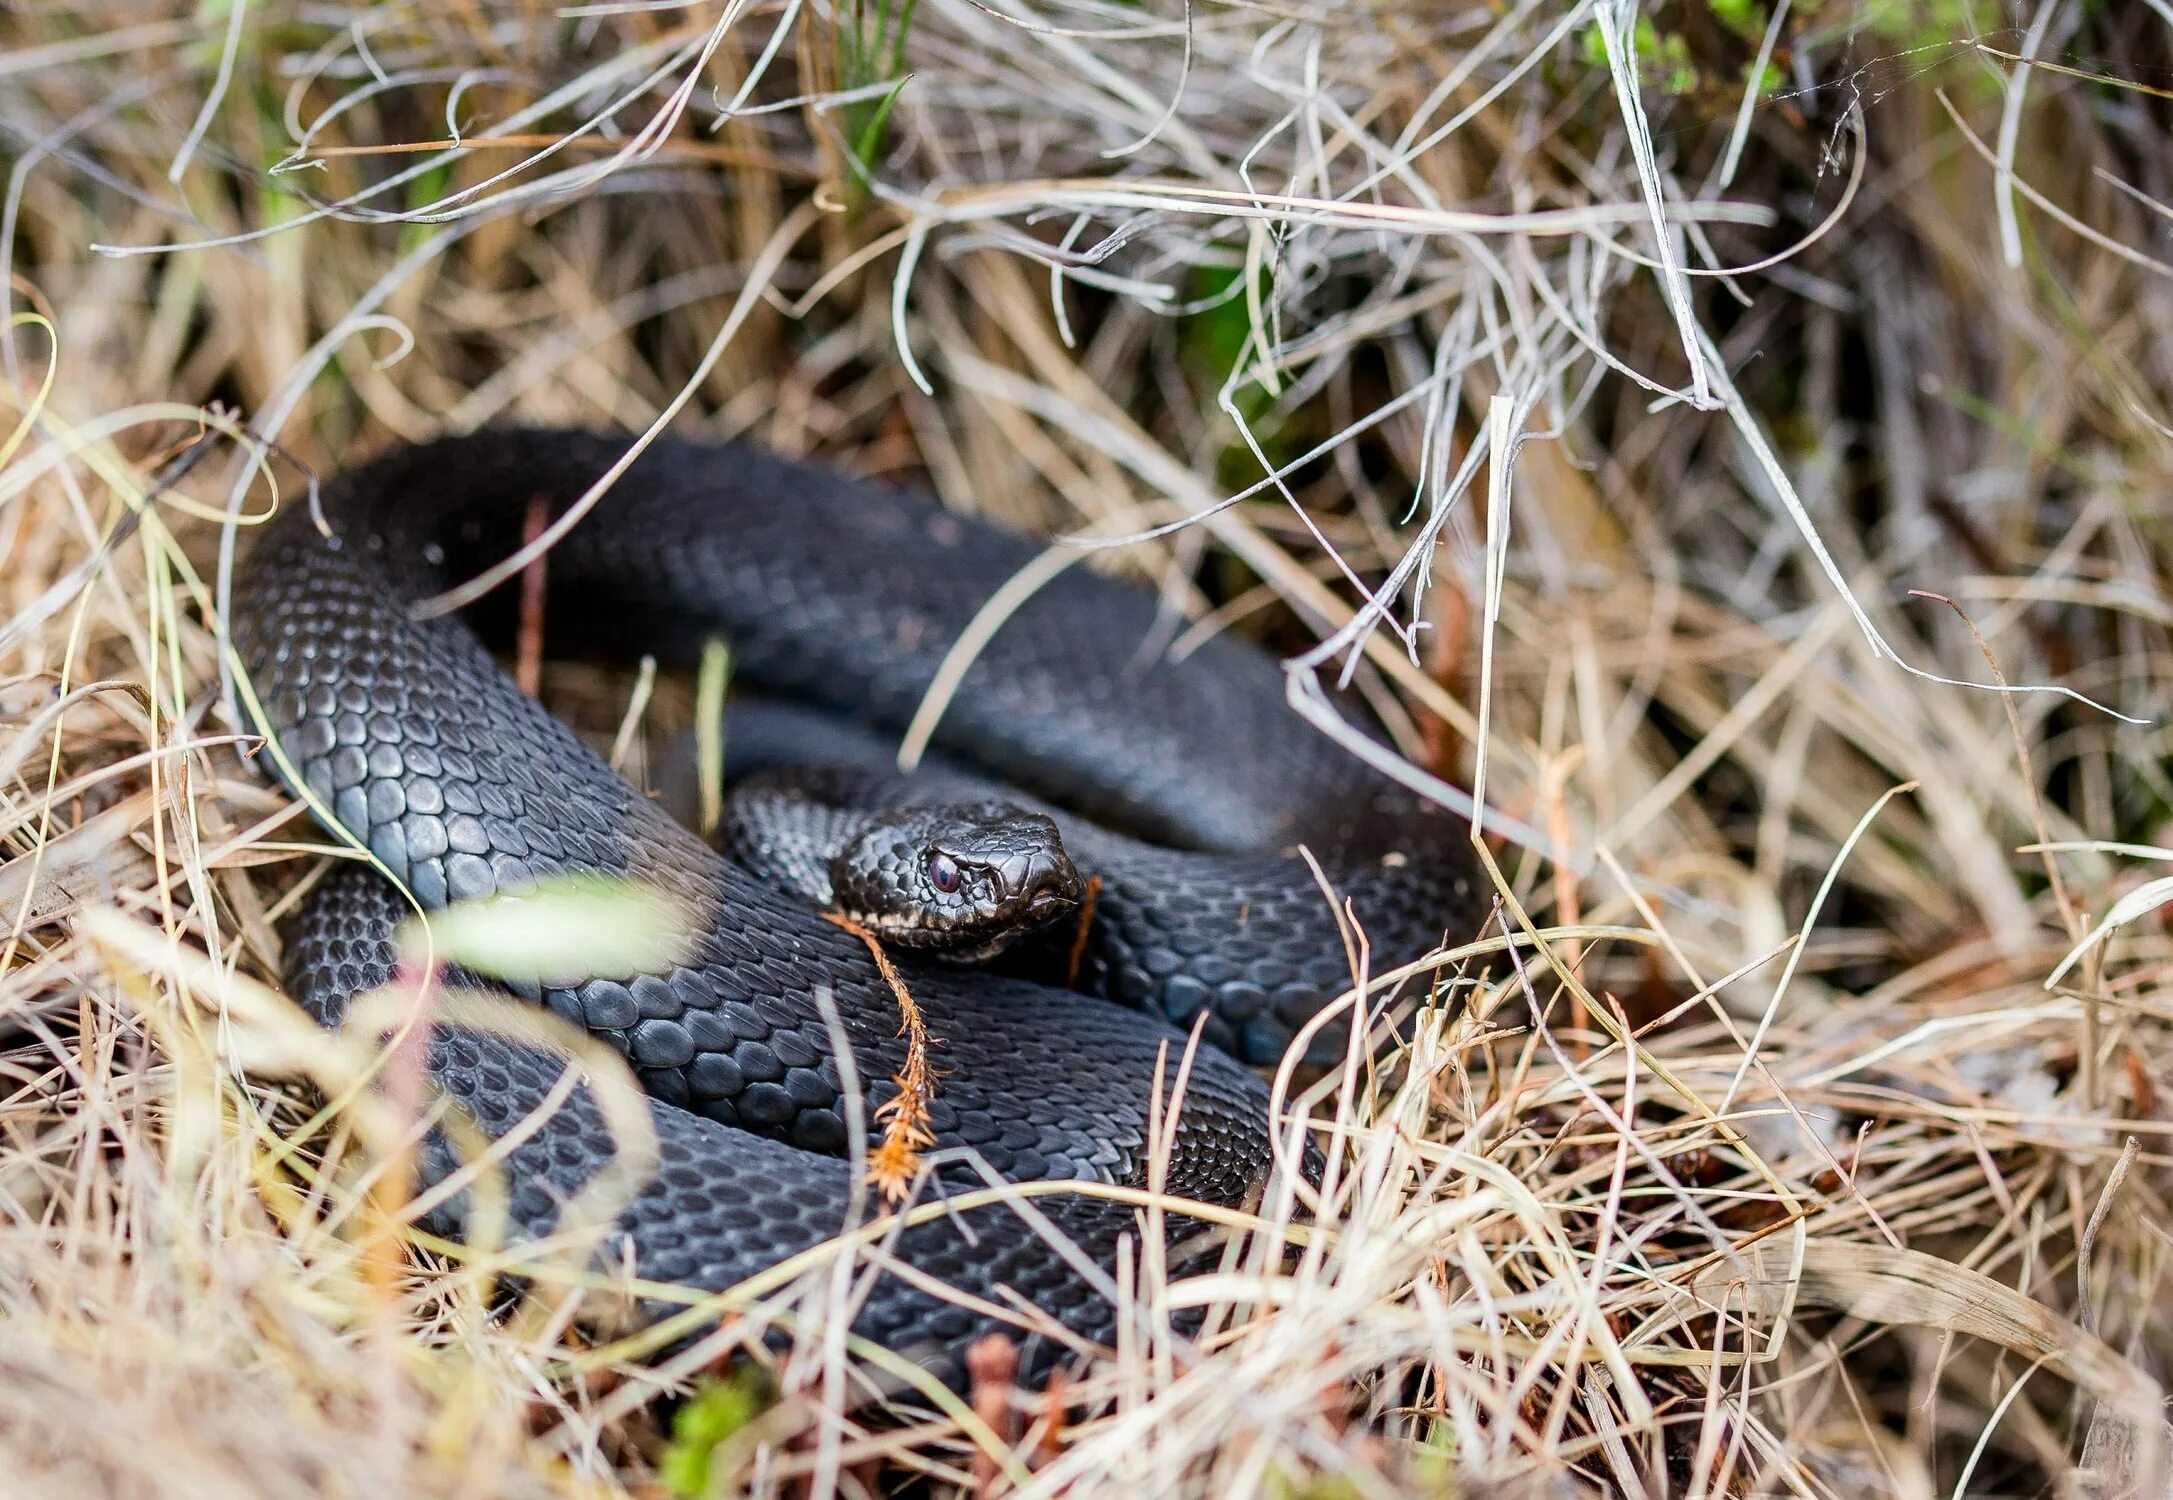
(944, 871)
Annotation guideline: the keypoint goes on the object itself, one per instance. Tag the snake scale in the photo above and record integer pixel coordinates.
(844, 593)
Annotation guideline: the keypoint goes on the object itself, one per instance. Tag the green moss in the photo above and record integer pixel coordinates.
(1212, 342)
(423, 190)
(1429, 1474)
(1746, 18)
(1905, 25)
(1663, 58)
(1312, 1486)
(704, 1433)
(1212, 339)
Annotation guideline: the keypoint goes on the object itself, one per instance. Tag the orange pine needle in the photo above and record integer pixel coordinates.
(1086, 925)
(895, 1160)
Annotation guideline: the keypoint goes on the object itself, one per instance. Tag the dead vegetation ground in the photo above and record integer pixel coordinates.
(1739, 377)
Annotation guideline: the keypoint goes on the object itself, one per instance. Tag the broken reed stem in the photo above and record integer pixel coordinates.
(992, 1365)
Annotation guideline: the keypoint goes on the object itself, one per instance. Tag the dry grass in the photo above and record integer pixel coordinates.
(1765, 1161)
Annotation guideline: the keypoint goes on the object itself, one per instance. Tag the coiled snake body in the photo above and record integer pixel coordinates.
(846, 593)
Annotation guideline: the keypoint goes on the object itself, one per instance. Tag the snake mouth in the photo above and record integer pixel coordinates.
(1048, 905)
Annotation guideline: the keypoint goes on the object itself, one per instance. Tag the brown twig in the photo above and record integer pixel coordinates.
(1553, 782)
(1445, 650)
(1049, 1441)
(406, 1088)
(992, 1364)
(904, 1117)
(528, 644)
(1086, 927)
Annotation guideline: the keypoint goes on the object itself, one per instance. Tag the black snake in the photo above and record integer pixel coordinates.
(847, 594)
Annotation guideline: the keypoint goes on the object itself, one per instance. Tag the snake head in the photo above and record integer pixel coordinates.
(960, 881)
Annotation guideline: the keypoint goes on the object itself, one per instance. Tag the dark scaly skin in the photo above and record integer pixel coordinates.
(724, 1204)
(848, 593)
(1159, 915)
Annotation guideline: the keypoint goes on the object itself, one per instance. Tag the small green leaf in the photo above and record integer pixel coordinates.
(563, 929)
(870, 142)
(1593, 46)
(1214, 336)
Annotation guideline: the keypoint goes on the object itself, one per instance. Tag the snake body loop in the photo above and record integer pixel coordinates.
(847, 594)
